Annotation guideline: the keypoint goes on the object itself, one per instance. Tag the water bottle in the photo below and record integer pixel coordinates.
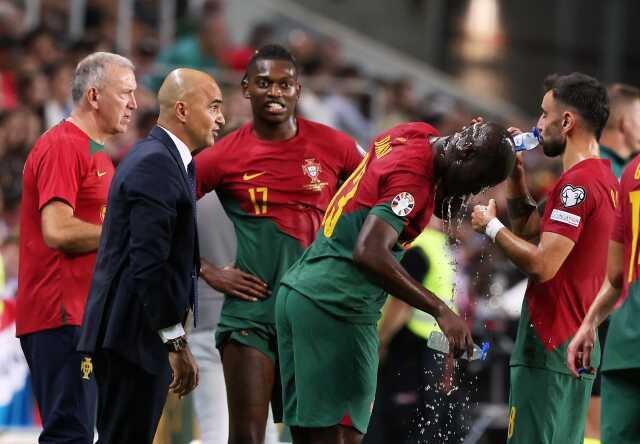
(439, 342)
(527, 141)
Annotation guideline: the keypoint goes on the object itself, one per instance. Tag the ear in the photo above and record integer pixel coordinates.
(182, 111)
(568, 122)
(298, 89)
(244, 84)
(92, 96)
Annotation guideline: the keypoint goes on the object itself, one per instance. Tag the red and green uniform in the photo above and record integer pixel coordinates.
(275, 193)
(581, 207)
(53, 286)
(620, 363)
(327, 306)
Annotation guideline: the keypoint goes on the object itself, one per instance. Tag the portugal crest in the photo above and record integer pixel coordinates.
(312, 169)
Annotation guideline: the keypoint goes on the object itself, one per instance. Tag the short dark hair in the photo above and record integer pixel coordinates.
(271, 52)
(583, 93)
(620, 95)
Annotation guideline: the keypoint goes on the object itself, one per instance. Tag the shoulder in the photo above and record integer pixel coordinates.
(413, 130)
(325, 134)
(590, 172)
(631, 175)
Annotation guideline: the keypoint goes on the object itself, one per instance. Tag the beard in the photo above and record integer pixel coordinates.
(554, 147)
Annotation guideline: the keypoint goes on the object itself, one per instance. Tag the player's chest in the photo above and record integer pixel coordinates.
(94, 188)
(303, 175)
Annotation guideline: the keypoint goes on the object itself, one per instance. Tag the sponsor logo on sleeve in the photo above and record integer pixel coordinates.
(572, 196)
(565, 217)
(402, 204)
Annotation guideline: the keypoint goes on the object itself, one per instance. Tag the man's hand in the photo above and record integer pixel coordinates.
(457, 333)
(234, 282)
(184, 371)
(482, 215)
(580, 348)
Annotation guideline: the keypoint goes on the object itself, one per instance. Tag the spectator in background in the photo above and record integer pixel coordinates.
(66, 181)
(400, 104)
(9, 249)
(59, 104)
(620, 139)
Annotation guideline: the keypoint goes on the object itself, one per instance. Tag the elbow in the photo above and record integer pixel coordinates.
(541, 272)
(53, 239)
(362, 256)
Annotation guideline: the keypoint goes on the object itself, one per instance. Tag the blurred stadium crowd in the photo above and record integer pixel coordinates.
(37, 63)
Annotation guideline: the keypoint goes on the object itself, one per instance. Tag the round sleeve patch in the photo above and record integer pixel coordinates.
(402, 204)
(572, 196)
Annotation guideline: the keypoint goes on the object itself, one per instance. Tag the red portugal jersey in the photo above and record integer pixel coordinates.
(65, 165)
(275, 193)
(581, 207)
(394, 182)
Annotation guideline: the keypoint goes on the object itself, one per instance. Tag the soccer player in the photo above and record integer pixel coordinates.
(275, 177)
(566, 268)
(329, 301)
(620, 365)
(64, 201)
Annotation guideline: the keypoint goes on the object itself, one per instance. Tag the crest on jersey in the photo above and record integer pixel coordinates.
(572, 196)
(402, 204)
(312, 170)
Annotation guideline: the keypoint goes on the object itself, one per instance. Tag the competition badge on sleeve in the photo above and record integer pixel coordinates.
(312, 169)
(572, 196)
(402, 204)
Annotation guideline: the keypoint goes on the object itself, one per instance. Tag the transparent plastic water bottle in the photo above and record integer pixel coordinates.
(527, 141)
(439, 342)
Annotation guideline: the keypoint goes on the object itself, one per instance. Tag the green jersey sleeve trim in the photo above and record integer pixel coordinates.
(384, 212)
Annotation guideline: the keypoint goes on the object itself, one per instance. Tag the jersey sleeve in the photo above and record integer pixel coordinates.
(59, 172)
(570, 205)
(209, 166)
(403, 191)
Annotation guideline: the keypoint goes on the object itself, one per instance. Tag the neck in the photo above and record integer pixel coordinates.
(275, 132)
(87, 121)
(178, 131)
(614, 140)
(580, 147)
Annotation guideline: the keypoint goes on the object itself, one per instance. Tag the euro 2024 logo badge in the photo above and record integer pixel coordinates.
(402, 204)
(312, 169)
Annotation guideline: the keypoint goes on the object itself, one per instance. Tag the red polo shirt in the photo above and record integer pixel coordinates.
(53, 286)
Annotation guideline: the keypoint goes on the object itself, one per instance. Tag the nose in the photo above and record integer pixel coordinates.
(274, 90)
(220, 120)
(132, 102)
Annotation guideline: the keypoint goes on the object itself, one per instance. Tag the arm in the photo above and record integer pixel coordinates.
(525, 221)
(581, 346)
(373, 254)
(63, 231)
(541, 262)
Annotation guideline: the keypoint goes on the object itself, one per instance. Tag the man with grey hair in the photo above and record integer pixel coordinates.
(64, 201)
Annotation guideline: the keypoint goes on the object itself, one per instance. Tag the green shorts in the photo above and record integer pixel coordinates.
(620, 411)
(547, 407)
(328, 367)
(255, 335)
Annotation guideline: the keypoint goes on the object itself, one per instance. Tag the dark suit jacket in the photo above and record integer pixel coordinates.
(143, 279)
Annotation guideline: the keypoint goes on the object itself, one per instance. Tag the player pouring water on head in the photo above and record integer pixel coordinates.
(330, 299)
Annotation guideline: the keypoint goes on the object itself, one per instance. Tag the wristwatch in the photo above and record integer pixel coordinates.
(177, 344)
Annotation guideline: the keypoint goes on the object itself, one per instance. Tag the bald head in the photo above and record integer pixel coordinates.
(191, 106)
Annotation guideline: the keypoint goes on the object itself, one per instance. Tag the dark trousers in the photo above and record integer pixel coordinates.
(130, 400)
(63, 385)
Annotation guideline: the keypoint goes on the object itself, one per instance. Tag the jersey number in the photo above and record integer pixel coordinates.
(259, 207)
(343, 196)
(634, 199)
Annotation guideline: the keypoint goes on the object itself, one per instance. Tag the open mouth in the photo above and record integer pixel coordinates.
(275, 107)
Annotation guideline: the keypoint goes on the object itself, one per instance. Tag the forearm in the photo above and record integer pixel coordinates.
(603, 304)
(521, 207)
(76, 236)
(525, 255)
(382, 267)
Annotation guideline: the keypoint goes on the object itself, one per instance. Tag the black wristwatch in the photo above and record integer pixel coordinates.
(177, 344)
